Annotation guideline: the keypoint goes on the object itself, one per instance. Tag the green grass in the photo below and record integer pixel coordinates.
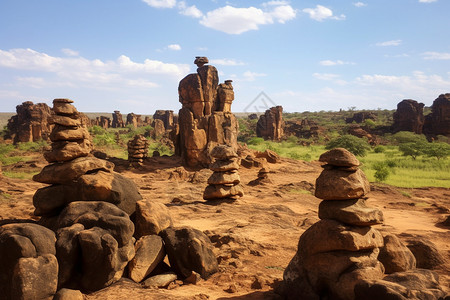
(289, 149)
(300, 192)
(19, 175)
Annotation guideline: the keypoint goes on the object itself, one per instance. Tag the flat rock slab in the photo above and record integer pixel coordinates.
(352, 212)
(160, 281)
(340, 157)
(149, 253)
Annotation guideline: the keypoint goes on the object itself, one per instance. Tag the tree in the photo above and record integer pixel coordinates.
(355, 145)
(438, 150)
(413, 149)
(381, 171)
(408, 137)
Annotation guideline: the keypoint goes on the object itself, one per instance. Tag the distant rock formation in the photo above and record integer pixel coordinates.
(303, 129)
(409, 116)
(205, 120)
(134, 120)
(166, 116)
(31, 122)
(117, 120)
(102, 121)
(438, 122)
(360, 117)
(270, 126)
(137, 149)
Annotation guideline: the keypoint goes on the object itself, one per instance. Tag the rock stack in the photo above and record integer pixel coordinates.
(138, 149)
(342, 248)
(225, 181)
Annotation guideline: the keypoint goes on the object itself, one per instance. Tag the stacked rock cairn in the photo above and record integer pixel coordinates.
(137, 149)
(342, 248)
(225, 181)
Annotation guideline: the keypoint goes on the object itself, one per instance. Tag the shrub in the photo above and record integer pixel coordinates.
(381, 171)
(408, 137)
(96, 130)
(32, 146)
(438, 150)
(379, 149)
(255, 141)
(413, 149)
(355, 145)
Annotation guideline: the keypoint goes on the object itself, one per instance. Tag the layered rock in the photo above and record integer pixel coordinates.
(205, 120)
(102, 121)
(438, 122)
(409, 116)
(117, 120)
(166, 116)
(31, 122)
(134, 120)
(225, 180)
(270, 126)
(342, 248)
(138, 149)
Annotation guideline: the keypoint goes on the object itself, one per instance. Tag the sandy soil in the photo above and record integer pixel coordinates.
(255, 236)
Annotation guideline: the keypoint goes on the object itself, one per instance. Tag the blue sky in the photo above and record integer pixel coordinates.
(307, 55)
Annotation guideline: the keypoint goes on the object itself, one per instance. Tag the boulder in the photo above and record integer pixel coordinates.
(68, 294)
(63, 173)
(160, 281)
(166, 116)
(149, 253)
(339, 157)
(94, 244)
(189, 250)
(352, 212)
(225, 165)
(223, 191)
(230, 177)
(67, 150)
(409, 116)
(395, 256)
(63, 133)
(117, 120)
(270, 125)
(151, 218)
(223, 152)
(338, 184)
(426, 253)
(270, 156)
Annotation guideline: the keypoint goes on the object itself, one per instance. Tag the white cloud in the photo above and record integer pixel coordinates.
(330, 77)
(427, 1)
(251, 76)
(389, 43)
(226, 62)
(174, 47)
(436, 55)
(233, 20)
(328, 63)
(190, 11)
(161, 3)
(70, 52)
(359, 4)
(321, 13)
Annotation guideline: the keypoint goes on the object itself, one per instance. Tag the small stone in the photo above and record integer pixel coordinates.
(159, 281)
(194, 278)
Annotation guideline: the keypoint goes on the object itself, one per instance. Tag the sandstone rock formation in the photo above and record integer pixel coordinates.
(102, 121)
(134, 120)
(138, 149)
(270, 126)
(166, 116)
(31, 122)
(360, 117)
(205, 119)
(117, 120)
(225, 181)
(304, 129)
(342, 248)
(409, 116)
(438, 122)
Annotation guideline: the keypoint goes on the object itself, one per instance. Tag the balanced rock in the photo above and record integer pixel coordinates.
(190, 250)
(341, 185)
(138, 149)
(339, 157)
(352, 212)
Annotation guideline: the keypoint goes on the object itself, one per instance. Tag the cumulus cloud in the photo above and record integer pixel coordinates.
(226, 62)
(389, 43)
(161, 3)
(321, 13)
(70, 52)
(174, 47)
(234, 20)
(436, 55)
(190, 11)
(359, 4)
(329, 63)
(251, 76)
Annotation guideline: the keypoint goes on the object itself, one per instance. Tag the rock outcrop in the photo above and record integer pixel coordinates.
(270, 126)
(225, 181)
(134, 120)
(166, 116)
(360, 117)
(205, 120)
(409, 116)
(102, 121)
(138, 149)
(117, 120)
(342, 248)
(31, 122)
(438, 122)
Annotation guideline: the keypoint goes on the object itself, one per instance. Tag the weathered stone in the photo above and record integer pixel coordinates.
(63, 133)
(360, 117)
(35, 278)
(223, 152)
(62, 100)
(224, 178)
(409, 116)
(68, 294)
(352, 212)
(340, 157)
(160, 281)
(438, 122)
(425, 251)
(270, 125)
(117, 121)
(151, 218)
(68, 150)
(94, 243)
(158, 128)
(138, 148)
(330, 235)
(166, 116)
(225, 165)
(189, 250)
(271, 156)
(149, 253)
(395, 256)
(62, 173)
(223, 191)
(209, 79)
(225, 96)
(65, 121)
(341, 185)
(64, 108)
(134, 120)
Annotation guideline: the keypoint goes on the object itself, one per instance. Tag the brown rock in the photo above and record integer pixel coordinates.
(68, 294)
(438, 122)
(426, 253)
(352, 212)
(224, 178)
(117, 121)
(209, 79)
(222, 191)
(395, 256)
(223, 152)
(225, 165)
(151, 218)
(341, 185)
(64, 108)
(270, 125)
(63, 133)
(271, 156)
(149, 253)
(166, 116)
(160, 281)
(409, 116)
(340, 157)
(62, 100)
(68, 150)
(62, 173)
(360, 117)
(65, 121)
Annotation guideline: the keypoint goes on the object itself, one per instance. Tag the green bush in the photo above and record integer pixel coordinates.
(32, 146)
(379, 149)
(355, 145)
(402, 137)
(381, 171)
(255, 141)
(413, 149)
(96, 130)
(438, 150)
